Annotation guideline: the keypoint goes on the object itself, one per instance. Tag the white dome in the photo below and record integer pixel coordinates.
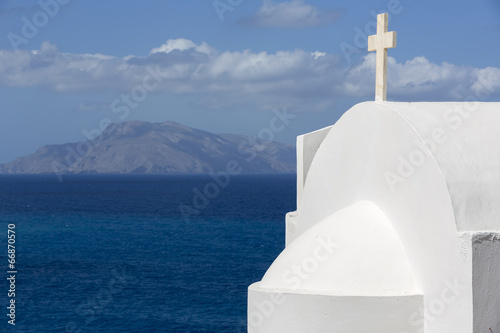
(355, 251)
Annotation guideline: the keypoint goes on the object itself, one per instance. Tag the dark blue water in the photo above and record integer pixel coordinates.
(108, 253)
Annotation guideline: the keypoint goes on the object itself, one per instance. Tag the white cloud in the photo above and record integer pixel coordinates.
(291, 14)
(419, 79)
(298, 79)
(317, 54)
(182, 44)
(59, 71)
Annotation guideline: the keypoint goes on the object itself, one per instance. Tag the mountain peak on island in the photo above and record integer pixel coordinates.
(168, 147)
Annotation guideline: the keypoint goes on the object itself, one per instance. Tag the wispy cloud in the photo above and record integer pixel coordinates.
(291, 14)
(304, 81)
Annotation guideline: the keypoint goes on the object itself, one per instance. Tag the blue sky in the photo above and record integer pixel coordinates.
(67, 67)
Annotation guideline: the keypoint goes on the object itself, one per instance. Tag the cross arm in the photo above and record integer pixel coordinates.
(385, 41)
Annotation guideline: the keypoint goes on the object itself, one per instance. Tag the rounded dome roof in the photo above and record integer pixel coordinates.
(354, 251)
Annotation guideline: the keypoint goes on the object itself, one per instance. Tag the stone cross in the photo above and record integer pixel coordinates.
(380, 42)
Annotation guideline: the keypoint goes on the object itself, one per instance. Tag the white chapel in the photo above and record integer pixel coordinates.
(397, 228)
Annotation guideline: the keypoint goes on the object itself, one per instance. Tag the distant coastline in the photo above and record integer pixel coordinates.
(138, 147)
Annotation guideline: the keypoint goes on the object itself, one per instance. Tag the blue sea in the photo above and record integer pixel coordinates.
(114, 253)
